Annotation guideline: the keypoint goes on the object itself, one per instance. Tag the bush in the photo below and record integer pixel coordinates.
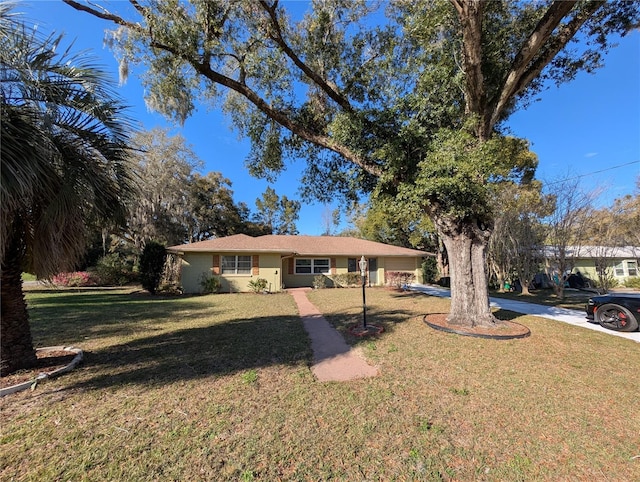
(114, 270)
(344, 280)
(210, 284)
(75, 279)
(152, 266)
(632, 283)
(430, 270)
(400, 279)
(258, 285)
(319, 282)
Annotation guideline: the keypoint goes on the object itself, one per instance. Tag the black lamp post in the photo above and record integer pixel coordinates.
(363, 273)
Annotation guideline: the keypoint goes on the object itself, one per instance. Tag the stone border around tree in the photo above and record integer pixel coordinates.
(509, 331)
(43, 376)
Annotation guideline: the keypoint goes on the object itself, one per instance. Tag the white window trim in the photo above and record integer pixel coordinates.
(312, 266)
(235, 268)
(618, 269)
(621, 268)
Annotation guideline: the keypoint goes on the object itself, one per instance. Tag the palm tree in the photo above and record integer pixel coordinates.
(65, 165)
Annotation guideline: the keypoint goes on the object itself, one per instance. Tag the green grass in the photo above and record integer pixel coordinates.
(218, 387)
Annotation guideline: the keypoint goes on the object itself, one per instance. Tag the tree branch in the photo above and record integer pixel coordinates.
(470, 16)
(241, 88)
(283, 118)
(104, 15)
(309, 72)
(524, 68)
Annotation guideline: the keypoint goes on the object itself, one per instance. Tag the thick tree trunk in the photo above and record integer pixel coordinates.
(469, 286)
(16, 343)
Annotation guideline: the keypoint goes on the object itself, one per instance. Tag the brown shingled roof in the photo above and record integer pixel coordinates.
(298, 245)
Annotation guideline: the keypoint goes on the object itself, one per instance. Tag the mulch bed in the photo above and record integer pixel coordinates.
(360, 331)
(48, 361)
(505, 330)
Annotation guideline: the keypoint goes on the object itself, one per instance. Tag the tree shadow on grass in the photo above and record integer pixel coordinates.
(195, 353)
(386, 318)
(66, 319)
(506, 315)
(407, 294)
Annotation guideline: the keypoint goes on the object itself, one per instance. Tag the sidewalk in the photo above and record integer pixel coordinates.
(333, 359)
(572, 317)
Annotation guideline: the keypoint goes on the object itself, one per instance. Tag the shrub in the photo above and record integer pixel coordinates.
(400, 279)
(319, 282)
(604, 283)
(75, 279)
(258, 285)
(430, 270)
(632, 283)
(114, 270)
(152, 266)
(210, 284)
(344, 280)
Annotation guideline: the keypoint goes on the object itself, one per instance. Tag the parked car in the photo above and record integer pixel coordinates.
(616, 311)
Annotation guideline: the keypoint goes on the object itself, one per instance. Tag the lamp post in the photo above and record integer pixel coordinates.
(363, 274)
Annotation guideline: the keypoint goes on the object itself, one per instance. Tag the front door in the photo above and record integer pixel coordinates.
(373, 271)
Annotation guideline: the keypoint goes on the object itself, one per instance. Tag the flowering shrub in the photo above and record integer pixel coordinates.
(77, 278)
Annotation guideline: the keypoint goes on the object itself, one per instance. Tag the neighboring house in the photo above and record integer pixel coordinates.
(289, 261)
(622, 262)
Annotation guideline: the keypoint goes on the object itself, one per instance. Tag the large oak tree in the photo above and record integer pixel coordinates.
(409, 103)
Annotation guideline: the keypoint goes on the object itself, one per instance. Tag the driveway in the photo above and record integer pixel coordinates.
(573, 317)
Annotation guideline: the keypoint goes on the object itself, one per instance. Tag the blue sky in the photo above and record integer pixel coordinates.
(588, 128)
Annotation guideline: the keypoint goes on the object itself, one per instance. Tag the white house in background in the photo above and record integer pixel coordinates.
(290, 261)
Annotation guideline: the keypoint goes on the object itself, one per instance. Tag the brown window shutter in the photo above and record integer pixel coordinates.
(333, 265)
(255, 265)
(216, 264)
(290, 260)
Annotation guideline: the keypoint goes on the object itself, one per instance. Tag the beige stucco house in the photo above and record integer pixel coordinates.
(622, 262)
(289, 261)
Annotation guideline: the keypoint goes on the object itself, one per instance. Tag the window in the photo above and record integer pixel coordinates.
(632, 268)
(618, 269)
(236, 264)
(309, 266)
(303, 266)
(320, 265)
(352, 265)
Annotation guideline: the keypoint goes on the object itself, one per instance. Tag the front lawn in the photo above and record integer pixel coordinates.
(218, 387)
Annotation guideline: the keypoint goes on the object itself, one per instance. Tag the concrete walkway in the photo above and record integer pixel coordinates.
(572, 317)
(333, 359)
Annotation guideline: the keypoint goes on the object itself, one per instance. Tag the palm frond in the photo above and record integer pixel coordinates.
(65, 146)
